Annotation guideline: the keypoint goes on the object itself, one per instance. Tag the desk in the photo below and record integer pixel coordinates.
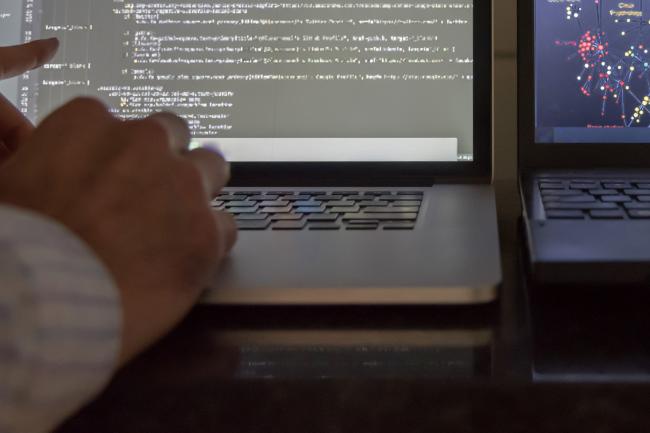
(533, 361)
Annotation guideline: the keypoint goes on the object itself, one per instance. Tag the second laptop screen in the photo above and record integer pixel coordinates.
(592, 71)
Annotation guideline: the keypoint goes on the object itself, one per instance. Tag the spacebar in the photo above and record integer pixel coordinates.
(381, 216)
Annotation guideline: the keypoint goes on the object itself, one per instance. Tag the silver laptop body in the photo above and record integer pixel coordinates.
(450, 257)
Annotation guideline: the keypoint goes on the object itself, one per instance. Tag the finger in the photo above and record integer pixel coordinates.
(227, 230)
(18, 59)
(76, 118)
(177, 130)
(14, 127)
(214, 169)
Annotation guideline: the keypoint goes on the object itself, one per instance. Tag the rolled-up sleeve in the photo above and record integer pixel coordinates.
(60, 323)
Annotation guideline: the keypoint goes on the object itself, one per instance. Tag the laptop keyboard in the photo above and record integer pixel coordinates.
(597, 199)
(318, 210)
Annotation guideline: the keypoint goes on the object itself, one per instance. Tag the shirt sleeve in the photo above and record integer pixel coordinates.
(60, 323)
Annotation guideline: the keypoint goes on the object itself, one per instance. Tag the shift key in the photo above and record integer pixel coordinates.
(381, 216)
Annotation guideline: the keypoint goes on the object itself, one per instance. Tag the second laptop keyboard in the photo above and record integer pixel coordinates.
(595, 198)
(318, 210)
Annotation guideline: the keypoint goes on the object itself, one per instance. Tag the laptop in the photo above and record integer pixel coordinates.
(584, 157)
(359, 133)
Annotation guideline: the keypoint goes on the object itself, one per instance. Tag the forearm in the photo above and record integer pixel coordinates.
(60, 323)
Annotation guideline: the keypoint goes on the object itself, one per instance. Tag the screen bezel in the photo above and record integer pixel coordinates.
(559, 155)
(399, 173)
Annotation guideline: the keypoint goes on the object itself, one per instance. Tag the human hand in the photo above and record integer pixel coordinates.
(14, 127)
(136, 195)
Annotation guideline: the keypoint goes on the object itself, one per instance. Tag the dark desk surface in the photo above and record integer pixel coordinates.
(536, 360)
(533, 361)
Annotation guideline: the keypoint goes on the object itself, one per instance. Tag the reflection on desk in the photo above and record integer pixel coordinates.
(590, 334)
(303, 354)
(216, 344)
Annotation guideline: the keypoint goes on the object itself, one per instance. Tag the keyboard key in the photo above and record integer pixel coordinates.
(616, 185)
(239, 210)
(420, 193)
(399, 197)
(407, 203)
(603, 192)
(241, 204)
(378, 203)
(344, 209)
(564, 214)
(583, 180)
(546, 186)
(391, 209)
(399, 226)
(643, 198)
(295, 197)
(288, 225)
(362, 227)
(251, 217)
(286, 217)
(308, 203)
(260, 197)
(275, 209)
(366, 221)
(633, 191)
(274, 203)
(587, 185)
(615, 198)
(639, 214)
(358, 197)
(231, 197)
(607, 214)
(328, 197)
(636, 205)
(216, 203)
(580, 206)
(381, 216)
(253, 225)
(324, 226)
(306, 209)
(643, 185)
(562, 192)
(322, 217)
(340, 203)
(576, 199)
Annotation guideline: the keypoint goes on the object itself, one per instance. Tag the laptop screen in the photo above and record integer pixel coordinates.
(277, 82)
(592, 71)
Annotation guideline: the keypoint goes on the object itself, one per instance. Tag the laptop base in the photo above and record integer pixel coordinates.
(585, 251)
(451, 257)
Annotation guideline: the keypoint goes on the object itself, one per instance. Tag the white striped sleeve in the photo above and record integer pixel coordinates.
(60, 323)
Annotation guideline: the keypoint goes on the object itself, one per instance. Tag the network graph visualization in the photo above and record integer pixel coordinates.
(592, 66)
